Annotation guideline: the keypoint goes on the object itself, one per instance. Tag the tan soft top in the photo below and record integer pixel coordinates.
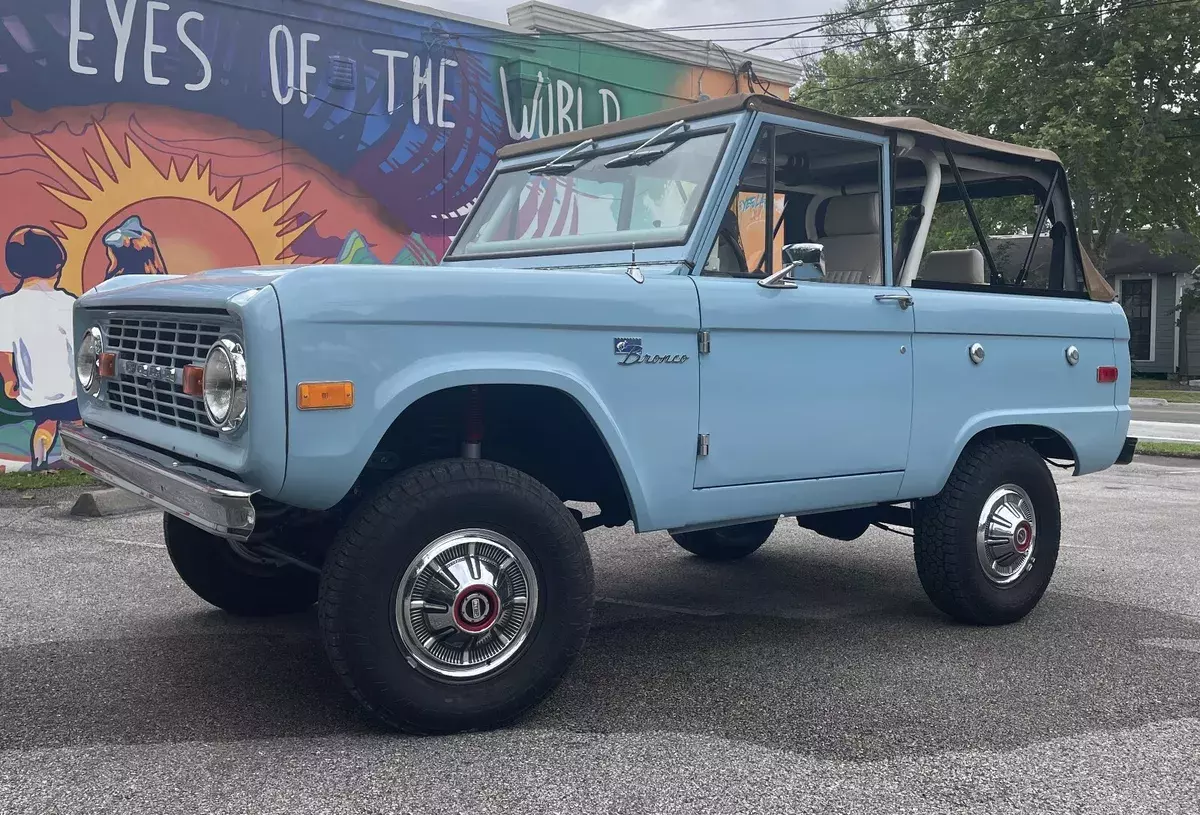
(880, 125)
(920, 127)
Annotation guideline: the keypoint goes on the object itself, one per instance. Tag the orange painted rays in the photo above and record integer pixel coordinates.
(136, 218)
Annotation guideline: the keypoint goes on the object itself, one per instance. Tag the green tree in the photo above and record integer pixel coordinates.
(1112, 86)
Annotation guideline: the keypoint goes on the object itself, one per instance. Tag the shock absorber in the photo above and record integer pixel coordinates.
(473, 437)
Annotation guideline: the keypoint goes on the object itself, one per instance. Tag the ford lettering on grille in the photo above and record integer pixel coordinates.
(142, 370)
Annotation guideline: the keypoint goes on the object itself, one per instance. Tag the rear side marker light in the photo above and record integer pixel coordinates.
(1106, 373)
(193, 380)
(324, 395)
(107, 365)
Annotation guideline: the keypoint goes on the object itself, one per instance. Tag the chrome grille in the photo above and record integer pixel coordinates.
(169, 341)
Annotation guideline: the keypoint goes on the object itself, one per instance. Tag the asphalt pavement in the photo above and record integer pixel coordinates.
(813, 677)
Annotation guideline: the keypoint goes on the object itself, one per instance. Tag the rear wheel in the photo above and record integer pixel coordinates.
(987, 544)
(726, 543)
(229, 577)
(456, 597)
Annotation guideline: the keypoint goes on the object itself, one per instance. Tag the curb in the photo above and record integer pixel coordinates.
(1145, 401)
(108, 502)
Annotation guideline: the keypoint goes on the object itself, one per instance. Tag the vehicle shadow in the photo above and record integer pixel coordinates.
(796, 651)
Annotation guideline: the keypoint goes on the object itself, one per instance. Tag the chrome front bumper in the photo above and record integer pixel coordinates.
(205, 499)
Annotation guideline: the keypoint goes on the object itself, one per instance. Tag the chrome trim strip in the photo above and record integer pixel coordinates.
(204, 499)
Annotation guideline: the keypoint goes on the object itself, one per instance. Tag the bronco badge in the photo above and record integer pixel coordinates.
(630, 351)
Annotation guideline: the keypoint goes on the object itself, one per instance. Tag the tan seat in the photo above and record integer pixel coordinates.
(953, 266)
(853, 240)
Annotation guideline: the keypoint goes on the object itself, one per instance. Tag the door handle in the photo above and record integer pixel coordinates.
(904, 300)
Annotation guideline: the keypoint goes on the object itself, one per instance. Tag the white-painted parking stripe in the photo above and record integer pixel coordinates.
(656, 607)
(1173, 642)
(146, 544)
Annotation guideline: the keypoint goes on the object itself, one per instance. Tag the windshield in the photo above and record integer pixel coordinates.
(582, 205)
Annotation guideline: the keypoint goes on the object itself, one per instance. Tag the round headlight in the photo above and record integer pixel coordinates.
(225, 384)
(87, 360)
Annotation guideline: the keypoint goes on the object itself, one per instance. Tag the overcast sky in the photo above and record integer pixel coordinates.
(661, 13)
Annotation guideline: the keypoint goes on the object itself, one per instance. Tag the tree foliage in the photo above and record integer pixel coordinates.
(1112, 86)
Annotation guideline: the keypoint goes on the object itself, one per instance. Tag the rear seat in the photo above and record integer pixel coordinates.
(963, 266)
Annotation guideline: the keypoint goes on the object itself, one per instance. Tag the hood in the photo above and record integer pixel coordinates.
(211, 289)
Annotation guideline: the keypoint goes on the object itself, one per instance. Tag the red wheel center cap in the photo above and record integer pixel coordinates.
(1023, 537)
(476, 609)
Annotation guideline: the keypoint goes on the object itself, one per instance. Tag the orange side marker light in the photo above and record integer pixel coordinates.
(108, 365)
(325, 395)
(193, 380)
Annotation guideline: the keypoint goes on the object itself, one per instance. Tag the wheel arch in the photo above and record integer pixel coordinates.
(543, 388)
(1050, 439)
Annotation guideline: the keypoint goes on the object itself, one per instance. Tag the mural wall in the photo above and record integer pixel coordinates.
(156, 136)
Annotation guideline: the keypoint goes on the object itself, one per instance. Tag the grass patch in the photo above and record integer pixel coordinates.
(1191, 396)
(1171, 449)
(45, 479)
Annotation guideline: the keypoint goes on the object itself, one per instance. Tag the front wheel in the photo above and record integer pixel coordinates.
(987, 544)
(728, 542)
(456, 597)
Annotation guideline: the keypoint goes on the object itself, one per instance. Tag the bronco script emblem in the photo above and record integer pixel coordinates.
(630, 351)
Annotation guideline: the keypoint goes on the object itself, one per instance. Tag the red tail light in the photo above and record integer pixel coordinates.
(1106, 373)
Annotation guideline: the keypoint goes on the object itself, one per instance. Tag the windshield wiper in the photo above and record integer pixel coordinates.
(556, 166)
(641, 155)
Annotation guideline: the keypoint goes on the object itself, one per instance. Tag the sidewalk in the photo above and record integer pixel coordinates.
(1165, 431)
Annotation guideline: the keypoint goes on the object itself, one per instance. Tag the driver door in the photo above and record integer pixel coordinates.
(813, 381)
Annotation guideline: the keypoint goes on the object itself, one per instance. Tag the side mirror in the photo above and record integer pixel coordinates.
(803, 261)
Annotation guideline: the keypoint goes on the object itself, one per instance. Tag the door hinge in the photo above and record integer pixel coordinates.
(704, 342)
(702, 445)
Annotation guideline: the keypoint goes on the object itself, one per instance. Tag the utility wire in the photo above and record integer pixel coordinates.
(992, 46)
(731, 24)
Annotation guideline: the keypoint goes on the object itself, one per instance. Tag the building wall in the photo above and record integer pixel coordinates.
(192, 134)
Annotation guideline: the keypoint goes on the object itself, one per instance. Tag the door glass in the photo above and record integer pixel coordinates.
(826, 190)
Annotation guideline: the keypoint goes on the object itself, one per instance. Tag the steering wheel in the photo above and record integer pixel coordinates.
(729, 252)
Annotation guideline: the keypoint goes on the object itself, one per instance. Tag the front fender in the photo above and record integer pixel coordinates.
(324, 462)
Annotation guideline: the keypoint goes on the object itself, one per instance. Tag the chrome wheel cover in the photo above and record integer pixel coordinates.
(466, 604)
(1006, 538)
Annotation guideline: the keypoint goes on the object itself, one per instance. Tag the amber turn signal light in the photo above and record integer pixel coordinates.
(193, 380)
(108, 364)
(322, 395)
(1106, 373)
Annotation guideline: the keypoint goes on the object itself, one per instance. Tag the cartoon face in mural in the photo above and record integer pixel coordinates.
(140, 138)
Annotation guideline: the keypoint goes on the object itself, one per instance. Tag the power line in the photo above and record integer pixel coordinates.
(993, 46)
(732, 24)
(833, 20)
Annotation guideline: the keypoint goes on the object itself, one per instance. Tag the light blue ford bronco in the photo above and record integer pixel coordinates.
(698, 321)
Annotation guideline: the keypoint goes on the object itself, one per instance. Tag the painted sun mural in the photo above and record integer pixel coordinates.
(195, 223)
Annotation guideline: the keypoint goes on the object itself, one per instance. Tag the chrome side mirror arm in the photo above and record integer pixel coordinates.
(797, 255)
(781, 279)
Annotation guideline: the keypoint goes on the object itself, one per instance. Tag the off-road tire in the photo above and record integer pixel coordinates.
(383, 535)
(728, 542)
(220, 576)
(945, 528)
